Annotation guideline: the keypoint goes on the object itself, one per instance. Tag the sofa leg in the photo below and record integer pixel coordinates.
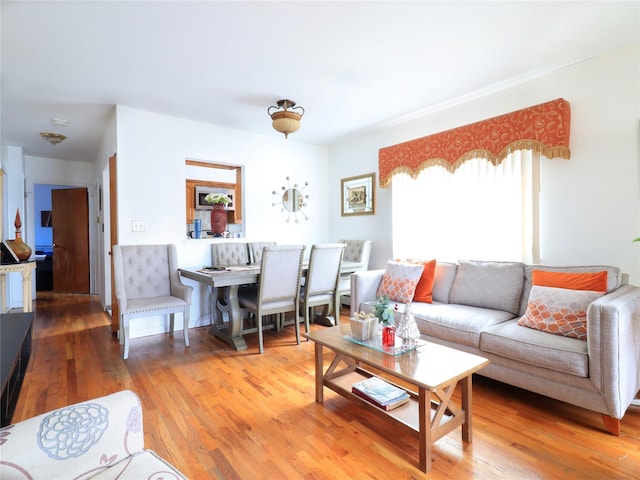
(611, 424)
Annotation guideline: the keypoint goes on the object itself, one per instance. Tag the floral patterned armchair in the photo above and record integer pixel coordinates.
(99, 439)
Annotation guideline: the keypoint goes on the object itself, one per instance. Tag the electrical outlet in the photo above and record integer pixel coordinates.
(137, 226)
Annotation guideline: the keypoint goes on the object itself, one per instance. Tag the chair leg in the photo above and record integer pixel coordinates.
(308, 312)
(125, 340)
(259, 325)
(172, 319)
(296, 322)
(121, 332)
(185, 317)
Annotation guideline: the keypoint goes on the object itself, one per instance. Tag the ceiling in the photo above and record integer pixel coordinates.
(353, 66)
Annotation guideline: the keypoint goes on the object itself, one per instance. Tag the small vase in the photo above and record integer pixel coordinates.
(218, 219)
(21, 249)
(388, 336)
(407, 326)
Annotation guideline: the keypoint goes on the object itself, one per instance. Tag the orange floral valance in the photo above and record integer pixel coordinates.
(543, 128)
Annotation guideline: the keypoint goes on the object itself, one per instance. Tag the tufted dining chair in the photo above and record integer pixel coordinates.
(148, 284)
(255, 251)
(355, 251)
(321, 286)
(229, 254)
(278, 290)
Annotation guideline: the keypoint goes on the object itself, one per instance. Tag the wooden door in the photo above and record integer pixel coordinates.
(70, 222)
(113, 239)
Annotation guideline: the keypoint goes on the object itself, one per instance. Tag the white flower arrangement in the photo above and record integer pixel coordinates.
(218, 198)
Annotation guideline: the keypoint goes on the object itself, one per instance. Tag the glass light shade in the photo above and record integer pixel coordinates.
(286, 122)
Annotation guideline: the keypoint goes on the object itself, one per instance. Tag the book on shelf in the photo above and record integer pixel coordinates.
(8, 255)
(381, 393)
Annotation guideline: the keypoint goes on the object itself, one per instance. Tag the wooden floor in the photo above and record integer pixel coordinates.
(218, 413)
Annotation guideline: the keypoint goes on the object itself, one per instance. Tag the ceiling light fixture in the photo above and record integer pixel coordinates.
(52, 138)
(286, 120)
(60, 122)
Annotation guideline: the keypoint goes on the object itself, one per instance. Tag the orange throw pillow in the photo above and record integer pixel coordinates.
(595, 282)
(424, 289)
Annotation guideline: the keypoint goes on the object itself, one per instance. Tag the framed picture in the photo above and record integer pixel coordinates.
(359, 195)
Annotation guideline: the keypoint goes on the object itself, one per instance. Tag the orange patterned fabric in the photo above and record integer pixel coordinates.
(399, 281)
(543, 128)
(559, 311)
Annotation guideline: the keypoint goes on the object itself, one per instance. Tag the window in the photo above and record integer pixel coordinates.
(480, 211)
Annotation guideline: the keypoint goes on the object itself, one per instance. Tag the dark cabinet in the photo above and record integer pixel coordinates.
(15, 350)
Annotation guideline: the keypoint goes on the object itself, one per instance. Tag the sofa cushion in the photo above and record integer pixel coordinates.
(399, 281)
(555, 352)
(424, 289)
(443, 279)
(560, 311)
(614, 278)
(595, 281)
(461, 324)
(493, 285)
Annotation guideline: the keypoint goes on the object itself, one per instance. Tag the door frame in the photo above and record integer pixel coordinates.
(29, 220)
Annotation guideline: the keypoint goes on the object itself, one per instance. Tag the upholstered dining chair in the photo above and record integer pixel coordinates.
(321, 285)
(229, 254)
(148, 284)
(278, 289)
(355, 251)
(255, 251)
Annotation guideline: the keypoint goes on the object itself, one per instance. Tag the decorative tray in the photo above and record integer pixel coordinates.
(376, 343)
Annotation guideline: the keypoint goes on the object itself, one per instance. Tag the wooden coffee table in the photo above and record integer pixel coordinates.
(434, 370)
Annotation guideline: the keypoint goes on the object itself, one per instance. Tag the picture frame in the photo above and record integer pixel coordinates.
(358, 195)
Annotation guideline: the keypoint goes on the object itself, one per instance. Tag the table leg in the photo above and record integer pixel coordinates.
(424, 428)
(232, 334)
(319, 373)
(465, 391)
(26, 290)
(3, 286)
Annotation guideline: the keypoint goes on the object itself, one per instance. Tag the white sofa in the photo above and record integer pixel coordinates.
(99, 439)
(477, 308)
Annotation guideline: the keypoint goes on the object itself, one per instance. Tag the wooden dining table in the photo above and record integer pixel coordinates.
(226, 314)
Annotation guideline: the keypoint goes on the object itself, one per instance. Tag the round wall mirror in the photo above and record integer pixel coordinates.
(292, 199)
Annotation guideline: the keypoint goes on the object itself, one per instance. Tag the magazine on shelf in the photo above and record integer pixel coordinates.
(380, 393)
(389, 406)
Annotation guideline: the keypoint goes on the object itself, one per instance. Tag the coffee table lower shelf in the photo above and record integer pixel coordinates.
(407, 416)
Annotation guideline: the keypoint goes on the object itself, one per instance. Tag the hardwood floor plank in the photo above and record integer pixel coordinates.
(218, 413)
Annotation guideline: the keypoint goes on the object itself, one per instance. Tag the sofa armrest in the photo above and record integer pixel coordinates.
(613, 336)
(72, 441)
(364, 285)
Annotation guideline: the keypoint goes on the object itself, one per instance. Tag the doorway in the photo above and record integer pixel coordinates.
(61, 219)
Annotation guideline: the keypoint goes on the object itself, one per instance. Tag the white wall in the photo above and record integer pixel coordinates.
(590, 204)
(13, 193)
(152, 150)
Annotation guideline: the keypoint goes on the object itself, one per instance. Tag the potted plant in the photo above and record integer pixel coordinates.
(384, 311)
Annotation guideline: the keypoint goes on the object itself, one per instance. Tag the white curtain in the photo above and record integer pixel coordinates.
(479, 212)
